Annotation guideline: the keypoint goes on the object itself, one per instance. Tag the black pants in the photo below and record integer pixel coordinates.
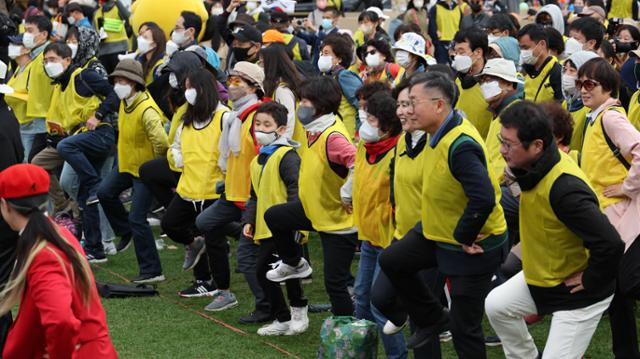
(39, 144)
(403, 260)
(272, 290)
(284, 219)
(160, 180)
(622, 309)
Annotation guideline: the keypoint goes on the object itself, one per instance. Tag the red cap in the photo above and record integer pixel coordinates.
(23, 180)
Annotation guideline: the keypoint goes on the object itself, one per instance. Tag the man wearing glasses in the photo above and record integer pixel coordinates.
(463, 230)
(570, 250)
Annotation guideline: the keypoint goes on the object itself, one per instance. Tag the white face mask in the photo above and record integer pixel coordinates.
(54, 69)
(491, 38)
(28, 40)
(368, 133)
(490, 89)
(265, 138)
(462, 63)
(71, 20)
(568, 85)
(362, 115)
(171, 47)
(402, 58)
(173, 81)
(123, 91)
(373, 60)
(179, 37)
(325, 63)
(527, 58)
(190, 95)
(14, 51)
(74, 49)
(144, 45)
(418, 4)
(366, 29)
(217, 10)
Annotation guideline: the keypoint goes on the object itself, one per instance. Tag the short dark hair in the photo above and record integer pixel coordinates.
(595, 3)
(535, 32)
(633, 31)
(437, 80)
(562, 121)
(383, 107)
(192, 20)
(60, 48)
(404, 28)
(475, 37)
(334, 10)
(368, 15)
(382, 46)
(277, 111)
(324, 92)
(367, 90)
(404, 84)
(342, 46)
(590, 28)
(608, 52)
(531, 122)
(556, 41)
(501, 22)
(600, 70)
(41, 22)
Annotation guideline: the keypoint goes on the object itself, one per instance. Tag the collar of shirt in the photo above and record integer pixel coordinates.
(442, 130)
(37, 50)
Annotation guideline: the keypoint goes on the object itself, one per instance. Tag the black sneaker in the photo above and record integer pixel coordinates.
(319, 308)
(256, 317)
(199, 288)
(124, 244)
(492, 341)
(424, 335)
(148, 278)
(92, 200)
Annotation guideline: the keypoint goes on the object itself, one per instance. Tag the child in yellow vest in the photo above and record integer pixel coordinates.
(274, 180)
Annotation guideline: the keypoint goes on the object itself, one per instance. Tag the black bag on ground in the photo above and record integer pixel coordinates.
(108, 290)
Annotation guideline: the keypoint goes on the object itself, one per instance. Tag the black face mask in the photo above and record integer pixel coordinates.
(241, 53)
(475, 7)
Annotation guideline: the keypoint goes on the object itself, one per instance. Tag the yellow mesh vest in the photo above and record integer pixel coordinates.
(149, 78)
(447, 22)
(295, 49)
(372, 210)
(475, 107)
(68, 109)
(407, 188)
(134, 147)
(40, 89)
(579, 118)
(602, 168)
(634, 110)
(113, 25)
(444, 200)
(238, 180)
(200, 158)
(319, 186)
(496, 161)
(621, 8)
(20, 97)
(538, 89)
(550, 251)
(176, 120)
(269, 189)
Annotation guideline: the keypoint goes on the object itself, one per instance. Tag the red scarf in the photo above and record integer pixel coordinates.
(380, 148)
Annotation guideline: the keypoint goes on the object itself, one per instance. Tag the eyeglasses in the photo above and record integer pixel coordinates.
(508, 144)
(413, 103)
(587, 84)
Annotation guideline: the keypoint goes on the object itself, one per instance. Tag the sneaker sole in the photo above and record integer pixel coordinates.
(93, 203)
(228, 306)
(293, 276)
(493, 344)
(125, 247)
(160, 278)
(198, 295)
(195, 262)
(98, 261)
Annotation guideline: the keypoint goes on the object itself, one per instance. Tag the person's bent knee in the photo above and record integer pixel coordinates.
(273, 217)
(494, 305)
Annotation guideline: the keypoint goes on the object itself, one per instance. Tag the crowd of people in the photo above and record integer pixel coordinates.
(482, 158)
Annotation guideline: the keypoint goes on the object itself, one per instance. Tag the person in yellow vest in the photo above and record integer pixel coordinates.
(444, 22)
(372, 208)
(141, 137)
(151, 43)
(370, 27)
(573, 100)
(36, 38)
(326, 173)
(622, 9)
(335, 58)
(610, 159)
(274, 180)
(297, 46)
(380, 64)
(19, 81)
(462, 230)
(237, 148)
(543, 73)
(570, 251)
(111, 21)
(471, 49)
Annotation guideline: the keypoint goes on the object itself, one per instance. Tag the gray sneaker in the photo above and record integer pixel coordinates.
(221, 301)
(192, 253)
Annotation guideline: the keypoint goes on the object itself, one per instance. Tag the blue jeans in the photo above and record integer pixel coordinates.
(368, 270)
(29, 131)
(133, 224)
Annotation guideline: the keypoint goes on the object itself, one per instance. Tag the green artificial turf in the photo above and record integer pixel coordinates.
(168, 326)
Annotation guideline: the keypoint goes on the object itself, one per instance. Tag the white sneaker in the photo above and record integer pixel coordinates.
(282, 271)
(391, 329)
(160, 244)
(109, 248)
(299, 320)
(275, 328)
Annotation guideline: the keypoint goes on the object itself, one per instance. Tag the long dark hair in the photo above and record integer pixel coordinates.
(207, 99)
(36, 235)
(160, 39)
(278, 67)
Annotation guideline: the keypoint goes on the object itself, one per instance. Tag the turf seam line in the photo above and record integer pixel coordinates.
(203, 315)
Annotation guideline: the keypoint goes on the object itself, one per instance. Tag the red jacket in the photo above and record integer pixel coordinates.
(52, 318)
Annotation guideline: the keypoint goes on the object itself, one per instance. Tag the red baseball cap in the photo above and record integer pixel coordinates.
(23, 180)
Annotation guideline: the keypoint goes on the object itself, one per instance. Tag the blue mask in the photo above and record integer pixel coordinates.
(305, 114)
(327, 24)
